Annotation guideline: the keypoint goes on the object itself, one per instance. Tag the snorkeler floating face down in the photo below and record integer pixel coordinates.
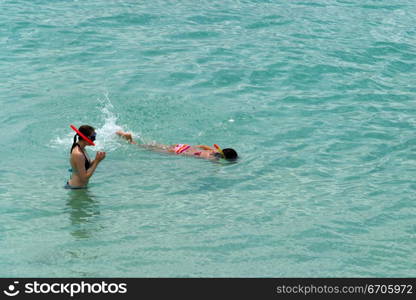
(200, 151)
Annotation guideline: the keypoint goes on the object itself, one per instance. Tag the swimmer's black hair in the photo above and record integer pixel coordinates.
(230, 153)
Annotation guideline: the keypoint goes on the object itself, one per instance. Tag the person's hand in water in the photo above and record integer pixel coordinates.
(127, 136)
(99, 156)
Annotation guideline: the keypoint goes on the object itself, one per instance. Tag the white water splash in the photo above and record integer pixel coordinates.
(107, 140)
(60, 142)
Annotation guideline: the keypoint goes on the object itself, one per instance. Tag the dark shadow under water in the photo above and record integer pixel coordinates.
(83, 210)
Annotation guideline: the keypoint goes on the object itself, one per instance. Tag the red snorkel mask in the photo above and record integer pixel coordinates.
(82, 135)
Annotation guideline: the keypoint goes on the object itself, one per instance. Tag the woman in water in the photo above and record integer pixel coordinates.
(82, 167)
(200, 151)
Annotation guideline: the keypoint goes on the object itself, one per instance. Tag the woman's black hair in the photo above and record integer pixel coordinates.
(230, 153)
(85, 130)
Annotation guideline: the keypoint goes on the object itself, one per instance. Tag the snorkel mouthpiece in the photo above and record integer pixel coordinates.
(82, 135)
(219, 150)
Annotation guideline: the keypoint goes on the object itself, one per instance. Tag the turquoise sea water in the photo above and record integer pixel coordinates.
(318, 98)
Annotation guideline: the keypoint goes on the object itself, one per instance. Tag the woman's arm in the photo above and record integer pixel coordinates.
(154, 147)
(79, 161)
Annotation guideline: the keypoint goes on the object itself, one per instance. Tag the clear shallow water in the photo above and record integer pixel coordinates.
(318, 99)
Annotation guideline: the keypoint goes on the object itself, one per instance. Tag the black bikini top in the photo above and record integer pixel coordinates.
(87, 160)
